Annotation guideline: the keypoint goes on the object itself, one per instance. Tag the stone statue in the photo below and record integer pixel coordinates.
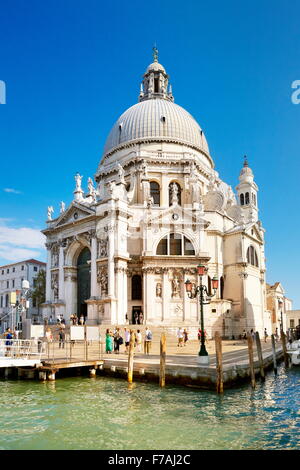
(103, 248)
(50, 211)
(104, 283)
(62, 207)
(144, 170)
(158, 290)
(91, 188)
(121, 173)
(78, 179)
(175, 287)
(174, 193)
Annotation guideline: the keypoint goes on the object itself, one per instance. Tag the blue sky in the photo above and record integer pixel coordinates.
(71, 67)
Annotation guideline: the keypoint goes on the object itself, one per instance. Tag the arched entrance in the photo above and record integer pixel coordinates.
(83, 281)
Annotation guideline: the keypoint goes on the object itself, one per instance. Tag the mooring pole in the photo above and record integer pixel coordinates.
(219, 363)
(260, 356)
(285, 354)
(162, 370)
(130, 357)
(274, 354)
(251, 362)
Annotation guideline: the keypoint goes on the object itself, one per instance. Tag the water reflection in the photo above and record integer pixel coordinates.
(109, 413)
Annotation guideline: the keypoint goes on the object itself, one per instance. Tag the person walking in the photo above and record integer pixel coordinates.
(276, 335)
(8, 343)
(108, 342)
(179, 337)
(185, 336)
(265, 334)
(138, 339)
(147, 340)
(127, 339)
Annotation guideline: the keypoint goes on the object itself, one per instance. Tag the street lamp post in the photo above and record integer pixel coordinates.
(280, 304)
(204, 298)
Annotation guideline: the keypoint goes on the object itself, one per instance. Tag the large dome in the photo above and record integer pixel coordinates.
(156, 120)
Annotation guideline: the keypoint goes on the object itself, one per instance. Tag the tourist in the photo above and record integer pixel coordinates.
(141, 318)
(61, 336)
(252, 333)
(49, 336)
(117, 337)
(179, 337)
(147, 340)
(8, 343)
(108, 342)
(185, 336)
(276, 335)
(127, 339)
(138, 341)
(199, 334)
(265, 334)
(244, 335)
(136, 318)
(81, 320)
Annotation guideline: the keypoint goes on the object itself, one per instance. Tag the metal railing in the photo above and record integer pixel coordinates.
(21, 348)
(72, 350)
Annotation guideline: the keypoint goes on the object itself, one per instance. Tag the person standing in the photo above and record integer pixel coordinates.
(185, 336)
(138, 338)
(265, 334)
(147, 341)
(117, 340)
(276, 335)
(127, 339)
(179, 337)
(108, 342)
(62, 337)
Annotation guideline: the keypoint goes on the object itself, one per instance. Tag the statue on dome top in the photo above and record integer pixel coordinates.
(78, 179)
(155, 53)
(50, 211)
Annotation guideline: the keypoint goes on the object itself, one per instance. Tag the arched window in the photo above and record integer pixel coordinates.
(174, 193)
(155, 192)
(242, 199)
(136, 287)
(252, 256)
(247, 200)
(175, 244)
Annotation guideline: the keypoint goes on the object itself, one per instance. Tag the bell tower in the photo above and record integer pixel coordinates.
(247, 193)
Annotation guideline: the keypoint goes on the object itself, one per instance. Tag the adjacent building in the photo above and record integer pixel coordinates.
(11, 277)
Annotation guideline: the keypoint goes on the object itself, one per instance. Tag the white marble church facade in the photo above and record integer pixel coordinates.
(157, 209)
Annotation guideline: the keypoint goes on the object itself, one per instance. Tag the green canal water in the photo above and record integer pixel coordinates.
(104, 413)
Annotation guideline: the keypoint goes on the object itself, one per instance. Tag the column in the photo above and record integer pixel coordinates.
(48, 273)
(61, 282)
(165, 296)
(93, 267)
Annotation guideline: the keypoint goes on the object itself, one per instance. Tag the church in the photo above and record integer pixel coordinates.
(156, 209)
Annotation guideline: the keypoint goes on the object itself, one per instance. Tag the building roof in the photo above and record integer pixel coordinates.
(156, 120)
(27, 261)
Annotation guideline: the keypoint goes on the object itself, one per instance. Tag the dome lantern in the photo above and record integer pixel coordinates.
(155, 81)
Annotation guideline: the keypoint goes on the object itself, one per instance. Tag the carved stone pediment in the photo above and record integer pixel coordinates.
(74, 213)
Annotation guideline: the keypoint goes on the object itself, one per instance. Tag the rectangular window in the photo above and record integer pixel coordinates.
(13, 283)
(14, 269)
(35, 268)
(2, 271)
(175, 244)
(292, 323)
(7, 284)
(22, 267)
(7, 271)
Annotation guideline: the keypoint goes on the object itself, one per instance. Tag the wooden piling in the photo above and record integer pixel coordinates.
(162, 369)
(219, 363)
(130, 357)
(260, 356)
(274, 354)
(251, 361)
(285, 354)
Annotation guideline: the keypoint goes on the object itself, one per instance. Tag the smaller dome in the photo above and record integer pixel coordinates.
(156, 67)
(246, 174)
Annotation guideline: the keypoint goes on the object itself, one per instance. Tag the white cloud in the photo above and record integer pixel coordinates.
(12, 190)
(17, 244)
